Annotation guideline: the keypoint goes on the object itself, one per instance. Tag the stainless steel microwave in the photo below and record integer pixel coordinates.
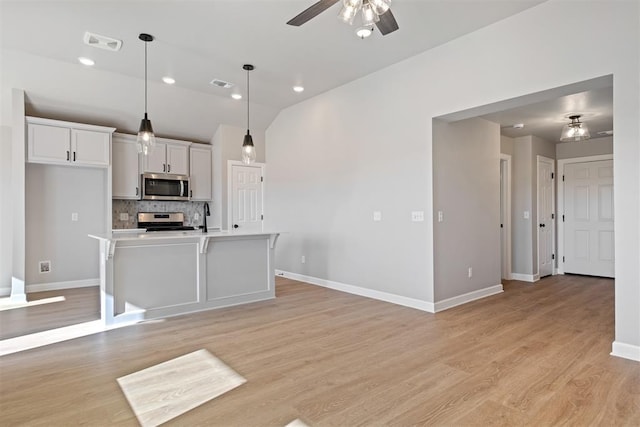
(160, 186)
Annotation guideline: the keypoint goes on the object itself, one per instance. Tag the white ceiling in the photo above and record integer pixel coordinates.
(197, 41)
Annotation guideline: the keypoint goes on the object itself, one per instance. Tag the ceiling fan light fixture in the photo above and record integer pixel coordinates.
(347, 14)
(364, 32)
(369, 16)
(380, 6)
(575, 131)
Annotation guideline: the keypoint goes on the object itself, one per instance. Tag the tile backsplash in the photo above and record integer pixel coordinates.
(132, 207)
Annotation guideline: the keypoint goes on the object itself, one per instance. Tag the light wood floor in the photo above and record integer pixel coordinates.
(80, 305)
(538, 354)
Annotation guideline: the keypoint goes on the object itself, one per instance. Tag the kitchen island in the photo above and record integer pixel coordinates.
(153, 275)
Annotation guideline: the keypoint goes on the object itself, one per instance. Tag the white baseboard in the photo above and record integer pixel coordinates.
(525, 277)
(357, 290)
(54, 286)
(468, 297)
(626, 351)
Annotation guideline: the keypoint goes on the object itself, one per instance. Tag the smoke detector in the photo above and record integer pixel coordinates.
(221, 83)
(103, 42)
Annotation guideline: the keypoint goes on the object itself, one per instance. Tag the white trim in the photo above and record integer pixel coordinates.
(525, 277)
(560, 210)
(357, 290)
(506, 269)
(543, 159)
(16, 291)
(230, 164)
(468, 297)
(627, 351)
(71, 284)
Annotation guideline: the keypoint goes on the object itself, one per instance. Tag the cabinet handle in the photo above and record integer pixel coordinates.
(164, 167)
(137, 191)
(190, 193)
(67, 155)
(168, 168)
(74, 156)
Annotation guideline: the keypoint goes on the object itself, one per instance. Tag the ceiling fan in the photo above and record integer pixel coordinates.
(373, 12)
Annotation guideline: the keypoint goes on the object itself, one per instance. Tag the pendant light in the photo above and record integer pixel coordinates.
(575, 131)
(248, 150)
(146, 139)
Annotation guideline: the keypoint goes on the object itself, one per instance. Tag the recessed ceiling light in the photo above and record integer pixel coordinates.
(298, 89)
(236, 96)
(518, 126)
(86, 61)
(221, 83)
(168, 80)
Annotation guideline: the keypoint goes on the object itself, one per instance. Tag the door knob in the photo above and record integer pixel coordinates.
(235, 225)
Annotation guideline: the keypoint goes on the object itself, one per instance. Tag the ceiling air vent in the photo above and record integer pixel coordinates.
(221, 83)
(605, 133)
(103, 42)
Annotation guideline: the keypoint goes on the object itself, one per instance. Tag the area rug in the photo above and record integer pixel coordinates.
(162, 392)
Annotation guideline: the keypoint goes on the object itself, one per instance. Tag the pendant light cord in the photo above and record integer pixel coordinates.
(248, 71)
(145, 77)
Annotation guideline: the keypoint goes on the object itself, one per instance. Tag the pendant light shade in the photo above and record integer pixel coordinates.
(248, 149)
(575, 131)
(146, 139)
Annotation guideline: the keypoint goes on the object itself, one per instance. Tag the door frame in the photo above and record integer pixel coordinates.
(545, 159)
(505, 207)
(230, 164)
(561, 165)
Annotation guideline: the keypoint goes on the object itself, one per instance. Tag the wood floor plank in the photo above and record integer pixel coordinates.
(537, 354)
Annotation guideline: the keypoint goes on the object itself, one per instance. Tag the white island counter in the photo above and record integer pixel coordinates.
(151, 275)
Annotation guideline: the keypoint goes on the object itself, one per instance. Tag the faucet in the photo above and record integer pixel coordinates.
(204, 217)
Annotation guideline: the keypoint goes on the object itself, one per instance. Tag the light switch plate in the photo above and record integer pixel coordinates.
(526, 215)
(417, 216)
(124, 216)
(74, 216)
(440, 216)
(377, 216)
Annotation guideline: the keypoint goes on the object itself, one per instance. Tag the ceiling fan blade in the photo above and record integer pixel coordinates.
(313, 11)
(387, 23)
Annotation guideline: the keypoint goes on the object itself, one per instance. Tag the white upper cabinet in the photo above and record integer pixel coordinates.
(57, 142)
(200, 173)
(125, 167)
(168, 156)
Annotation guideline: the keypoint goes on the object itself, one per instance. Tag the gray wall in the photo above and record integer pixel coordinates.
(6, 235)
(506, 145)
(591, 147)
(524, 245)
(53, 193)
(466, 188)
(227, 144)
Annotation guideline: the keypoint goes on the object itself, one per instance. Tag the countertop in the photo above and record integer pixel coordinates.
(136, 234)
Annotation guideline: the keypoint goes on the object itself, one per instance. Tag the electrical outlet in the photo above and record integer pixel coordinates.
(526, 215)
(440, 216)
(44, 267)
(196, 216)
(470, 272)
(74, 216)
(417, 216)
(377, 216)
(124, 216)
(303, 259)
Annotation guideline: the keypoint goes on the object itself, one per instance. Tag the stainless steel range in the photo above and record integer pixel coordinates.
(162, 221)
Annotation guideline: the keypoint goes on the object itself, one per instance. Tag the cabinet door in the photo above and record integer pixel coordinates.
(48, 144)
(178, 159)
(200, 173)
(90, 148)
(126, 176)
(156, 160)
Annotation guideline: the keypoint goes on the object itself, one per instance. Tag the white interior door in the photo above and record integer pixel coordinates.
(505, 216)
(545, 216)
(246, 195)
(588, 218)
